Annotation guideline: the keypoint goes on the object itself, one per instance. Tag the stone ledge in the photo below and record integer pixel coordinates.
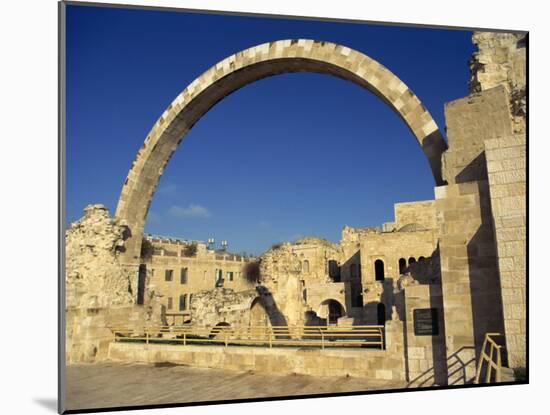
(369, 363)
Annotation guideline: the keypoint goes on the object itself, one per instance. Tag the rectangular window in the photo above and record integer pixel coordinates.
(190, 299)
(168, 274)
(183, 276)
(183, 302)
(230, 275)
(169, 306)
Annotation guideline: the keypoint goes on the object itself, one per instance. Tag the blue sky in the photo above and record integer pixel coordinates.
(288, 156)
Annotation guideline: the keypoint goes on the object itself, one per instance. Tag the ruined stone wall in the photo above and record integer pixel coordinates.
(100, 292)
(507, 167)
(222, 305)
(501, 60)
(291, 271)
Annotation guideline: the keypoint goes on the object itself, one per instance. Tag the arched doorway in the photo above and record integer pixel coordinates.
(331, 310)
(243, 68)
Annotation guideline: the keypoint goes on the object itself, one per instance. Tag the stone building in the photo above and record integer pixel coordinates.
(177, 270)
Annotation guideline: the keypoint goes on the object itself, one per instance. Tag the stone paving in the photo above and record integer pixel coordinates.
(125, 384)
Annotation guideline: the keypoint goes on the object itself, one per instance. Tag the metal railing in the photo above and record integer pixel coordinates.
(267, 336)
(494, 362)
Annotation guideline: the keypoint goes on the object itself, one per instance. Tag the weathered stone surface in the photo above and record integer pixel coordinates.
(222, 305)
(100, 292)
(95, 278)
(507, 167)
(501, 60)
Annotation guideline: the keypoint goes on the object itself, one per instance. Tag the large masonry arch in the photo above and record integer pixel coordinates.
(240, 69)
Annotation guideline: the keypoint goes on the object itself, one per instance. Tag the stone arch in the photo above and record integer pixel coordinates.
(245, 67)
(305, 266)
(331, 309)
(412, 227)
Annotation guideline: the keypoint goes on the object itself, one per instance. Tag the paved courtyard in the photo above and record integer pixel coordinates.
(125, 384)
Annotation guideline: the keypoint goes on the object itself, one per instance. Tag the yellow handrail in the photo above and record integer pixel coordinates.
(493, 365)
(299, 335)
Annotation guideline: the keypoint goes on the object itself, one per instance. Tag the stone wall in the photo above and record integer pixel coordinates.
(482, 240)
(222, 305)
(501, 60)
(470, 121)
(421, 213)
(100, 292)
(425, 354)
(469, 272)
(201, 271)
(507, 168)
(371, 363)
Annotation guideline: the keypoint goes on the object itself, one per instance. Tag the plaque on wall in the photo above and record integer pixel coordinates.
(425, 322)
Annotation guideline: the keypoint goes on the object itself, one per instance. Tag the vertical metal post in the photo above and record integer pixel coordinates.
(489, 366)
(499, 365)
(480, 363)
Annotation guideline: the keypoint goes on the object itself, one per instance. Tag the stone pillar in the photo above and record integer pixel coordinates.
(395, 347)
(506, 166)
(469, 274)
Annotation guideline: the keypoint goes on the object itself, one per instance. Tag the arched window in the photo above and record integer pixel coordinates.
(379, 270)
(421, 259)
(305, 266)
(412, 260)
(381, 314)
(353, 270)
(402, 265)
